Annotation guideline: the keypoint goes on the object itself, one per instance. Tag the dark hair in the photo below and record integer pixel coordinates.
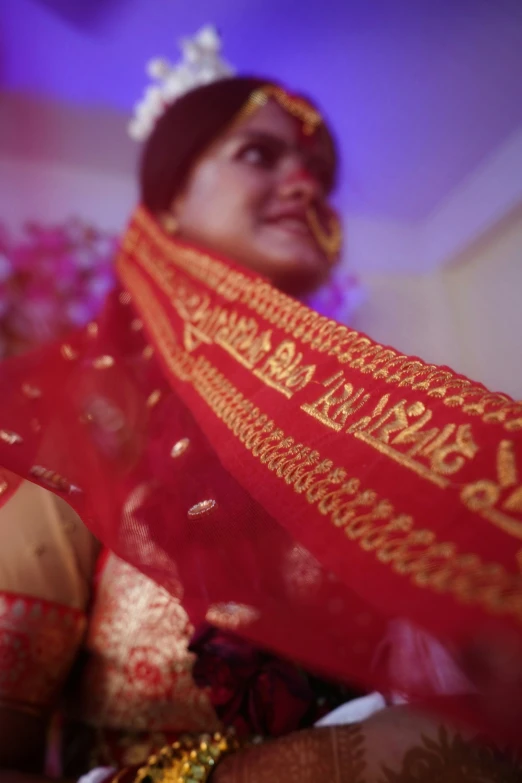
(186, 129)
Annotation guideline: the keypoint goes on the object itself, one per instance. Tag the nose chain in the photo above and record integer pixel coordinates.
(329, 239)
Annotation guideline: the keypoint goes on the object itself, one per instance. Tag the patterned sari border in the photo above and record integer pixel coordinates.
(366, 519)
(348, 346)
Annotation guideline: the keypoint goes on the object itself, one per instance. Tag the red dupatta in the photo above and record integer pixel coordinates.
(309, 488)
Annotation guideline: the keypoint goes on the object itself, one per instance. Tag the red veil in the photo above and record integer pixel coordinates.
(350, 507)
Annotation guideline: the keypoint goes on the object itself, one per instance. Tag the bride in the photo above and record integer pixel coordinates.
(254, 473)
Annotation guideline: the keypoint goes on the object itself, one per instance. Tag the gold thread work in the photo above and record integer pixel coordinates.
(330, 238)
(348, 346)
(367, 519)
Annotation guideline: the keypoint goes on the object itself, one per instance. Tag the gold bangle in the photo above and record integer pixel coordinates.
(119, 775)
(190, 760)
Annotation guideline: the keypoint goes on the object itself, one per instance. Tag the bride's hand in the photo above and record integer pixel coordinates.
(388, 746)
(494, 666)
(304, 757)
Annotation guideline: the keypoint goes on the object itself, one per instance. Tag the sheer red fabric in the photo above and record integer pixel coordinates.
(341, 504)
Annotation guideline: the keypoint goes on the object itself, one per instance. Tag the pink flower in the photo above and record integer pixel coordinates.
(339, 298)
(53, 281)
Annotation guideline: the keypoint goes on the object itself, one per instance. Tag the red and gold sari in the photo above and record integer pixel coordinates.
(321, 495)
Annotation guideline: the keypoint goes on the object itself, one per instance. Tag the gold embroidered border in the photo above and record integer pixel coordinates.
(282, 369)
(436, 453)
(327, 336)
(402, 430)
(366, 519)
(38, 643)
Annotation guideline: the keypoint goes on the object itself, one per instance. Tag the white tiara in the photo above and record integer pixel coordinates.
(200, 64)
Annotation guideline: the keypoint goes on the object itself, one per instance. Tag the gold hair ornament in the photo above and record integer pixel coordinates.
(294, 105)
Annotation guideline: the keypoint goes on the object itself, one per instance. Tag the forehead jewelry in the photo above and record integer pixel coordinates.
(294, 105)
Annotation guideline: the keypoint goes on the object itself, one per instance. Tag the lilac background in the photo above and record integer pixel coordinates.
(419, 91)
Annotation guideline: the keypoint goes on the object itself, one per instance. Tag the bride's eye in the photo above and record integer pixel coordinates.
(259, 154)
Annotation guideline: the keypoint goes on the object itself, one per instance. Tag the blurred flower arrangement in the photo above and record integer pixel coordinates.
(340, 298)
(53, 279)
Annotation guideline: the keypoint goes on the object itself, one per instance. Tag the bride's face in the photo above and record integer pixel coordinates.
(248, 197)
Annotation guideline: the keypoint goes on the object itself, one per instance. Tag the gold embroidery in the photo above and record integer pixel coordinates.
(153, 398)
(68, 352)
(492, 499)
(284, 370)
(198, 326)
(203, 324)
(52, 479)
(241, 339)
(446, 450)
(179, 448)
(9, 437)
(103, 362)
(125, 298)
(31, 392)
(231, 615)
(344, 405)
(390, 427)
(139, 671)
(38, 643)
(303, 573)
(338, 341)
(506, 465)
(201, 509)
(415, 553)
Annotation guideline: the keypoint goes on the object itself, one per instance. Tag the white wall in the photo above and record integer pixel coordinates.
(467, 315)
(408, 312)
(59, 160)
(50, 191)
(484, 290)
